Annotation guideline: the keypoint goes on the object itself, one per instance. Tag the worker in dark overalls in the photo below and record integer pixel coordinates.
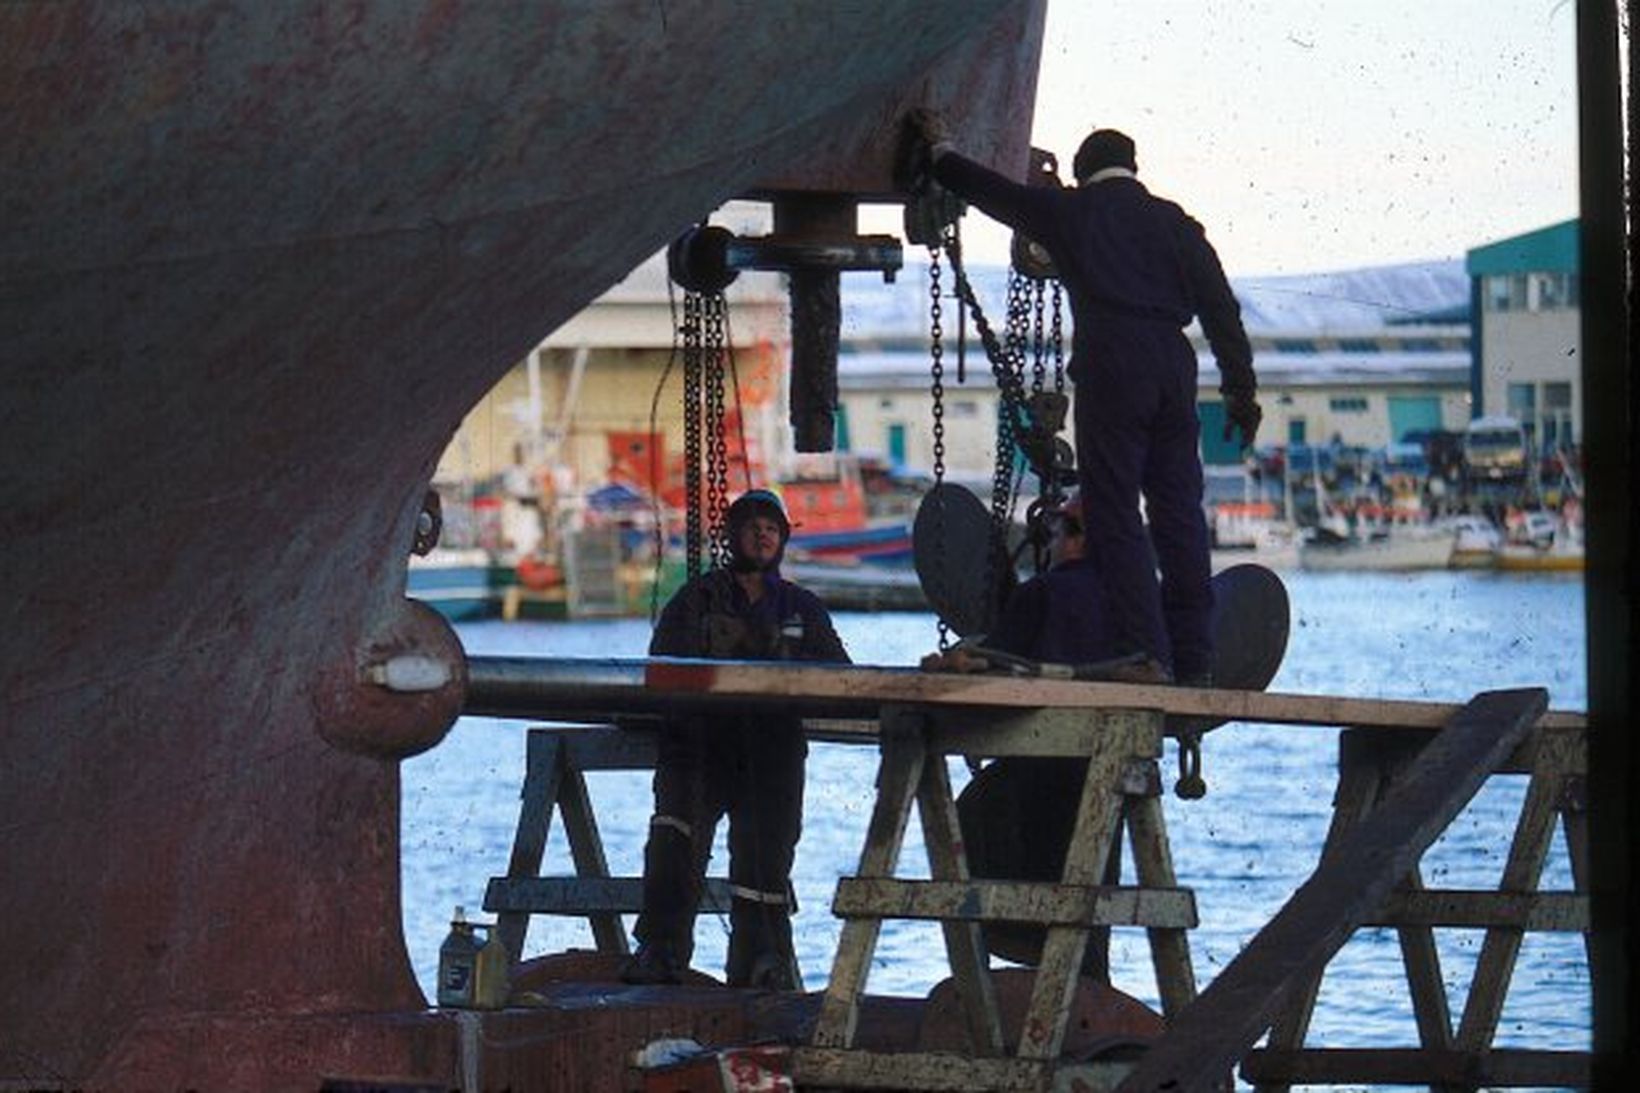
(1137, 268)
(747, 765)
(1056, 617)
(1059, 616)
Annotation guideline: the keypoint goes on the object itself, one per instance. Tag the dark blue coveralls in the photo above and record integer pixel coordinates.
(1137, 268)
(750, 766)
(1058, 616)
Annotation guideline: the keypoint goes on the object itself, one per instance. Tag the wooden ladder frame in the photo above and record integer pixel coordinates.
(1371, 762)
(1122, 747)
(556, 761)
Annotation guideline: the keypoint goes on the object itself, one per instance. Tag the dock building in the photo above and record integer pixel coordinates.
(1363, 356)
(1526, 351)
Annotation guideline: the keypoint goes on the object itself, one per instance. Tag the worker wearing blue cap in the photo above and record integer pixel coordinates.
(749, 766)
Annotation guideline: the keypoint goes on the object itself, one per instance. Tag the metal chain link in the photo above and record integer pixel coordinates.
(1007, 370)
(936, 353)
(1056, 338)
(692, 338)
(1016, 329)
(717, 441)
(1039, 348)
(1016, 323)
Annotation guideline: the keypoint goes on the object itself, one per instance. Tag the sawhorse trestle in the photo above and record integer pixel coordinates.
(1370, 764)
(1122, 784)
(554, 776)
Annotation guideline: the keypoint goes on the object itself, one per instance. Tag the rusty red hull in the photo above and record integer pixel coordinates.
(256, 262)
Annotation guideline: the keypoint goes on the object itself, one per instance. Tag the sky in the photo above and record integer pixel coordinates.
(1316, 135)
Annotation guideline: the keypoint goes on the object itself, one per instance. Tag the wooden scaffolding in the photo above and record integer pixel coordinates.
(1406, 770)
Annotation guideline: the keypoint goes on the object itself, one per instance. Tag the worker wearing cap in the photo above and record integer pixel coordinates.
(1137, 269)
(1059, 617)
(749, 766)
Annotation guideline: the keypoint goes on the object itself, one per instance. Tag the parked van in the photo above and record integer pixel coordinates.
(1494, 449)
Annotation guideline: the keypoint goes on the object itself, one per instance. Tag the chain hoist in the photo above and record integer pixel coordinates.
(932, 219)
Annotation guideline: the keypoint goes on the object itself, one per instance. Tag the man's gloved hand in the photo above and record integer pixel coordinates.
(954, 659)
(920, 133)
(1242, 411)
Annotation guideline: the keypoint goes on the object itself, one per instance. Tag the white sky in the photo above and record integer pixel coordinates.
(1312, 135)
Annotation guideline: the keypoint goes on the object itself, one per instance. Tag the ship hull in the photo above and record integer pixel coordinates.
(256, 263)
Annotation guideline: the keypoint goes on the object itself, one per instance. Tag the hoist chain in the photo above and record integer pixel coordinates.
(936, 353)
(1008, 383)
(1039, 348)
(1018, 311)
(705, 445)
(1007, 370)
(1025, 334)
(1056, 339)
(717, 441)
(692, 338)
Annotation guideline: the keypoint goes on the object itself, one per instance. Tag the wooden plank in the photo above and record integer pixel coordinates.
(1501, 947)
(865, 686)
(1388, 757)
(1574, 822)
(1046, 732)
(898, 777)
(586, 895)
(1357, 1067)
(938, 1072)
(1153, 864)
(1097, 814)
(609, 748)
(1422, 961)
(1015, 901)
(1520, 761)
(586, 850)
(1360, 776)
(543, 767)
(1568, 743)
(1220, 1026)
(964, 944)
(1557, 912)
(941, 1072)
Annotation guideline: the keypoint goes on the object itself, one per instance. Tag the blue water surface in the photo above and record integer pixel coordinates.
(1244, 848)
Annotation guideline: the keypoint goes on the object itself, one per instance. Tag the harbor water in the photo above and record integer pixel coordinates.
(1244, 848)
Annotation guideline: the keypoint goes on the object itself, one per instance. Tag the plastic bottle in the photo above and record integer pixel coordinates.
(457, 962)
(491, 971)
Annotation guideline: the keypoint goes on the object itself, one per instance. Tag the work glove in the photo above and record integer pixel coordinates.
(1242, 411)
(920, 132)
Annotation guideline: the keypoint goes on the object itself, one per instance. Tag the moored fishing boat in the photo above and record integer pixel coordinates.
(1395, 547)
(1540, 540)
(1475, 541)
